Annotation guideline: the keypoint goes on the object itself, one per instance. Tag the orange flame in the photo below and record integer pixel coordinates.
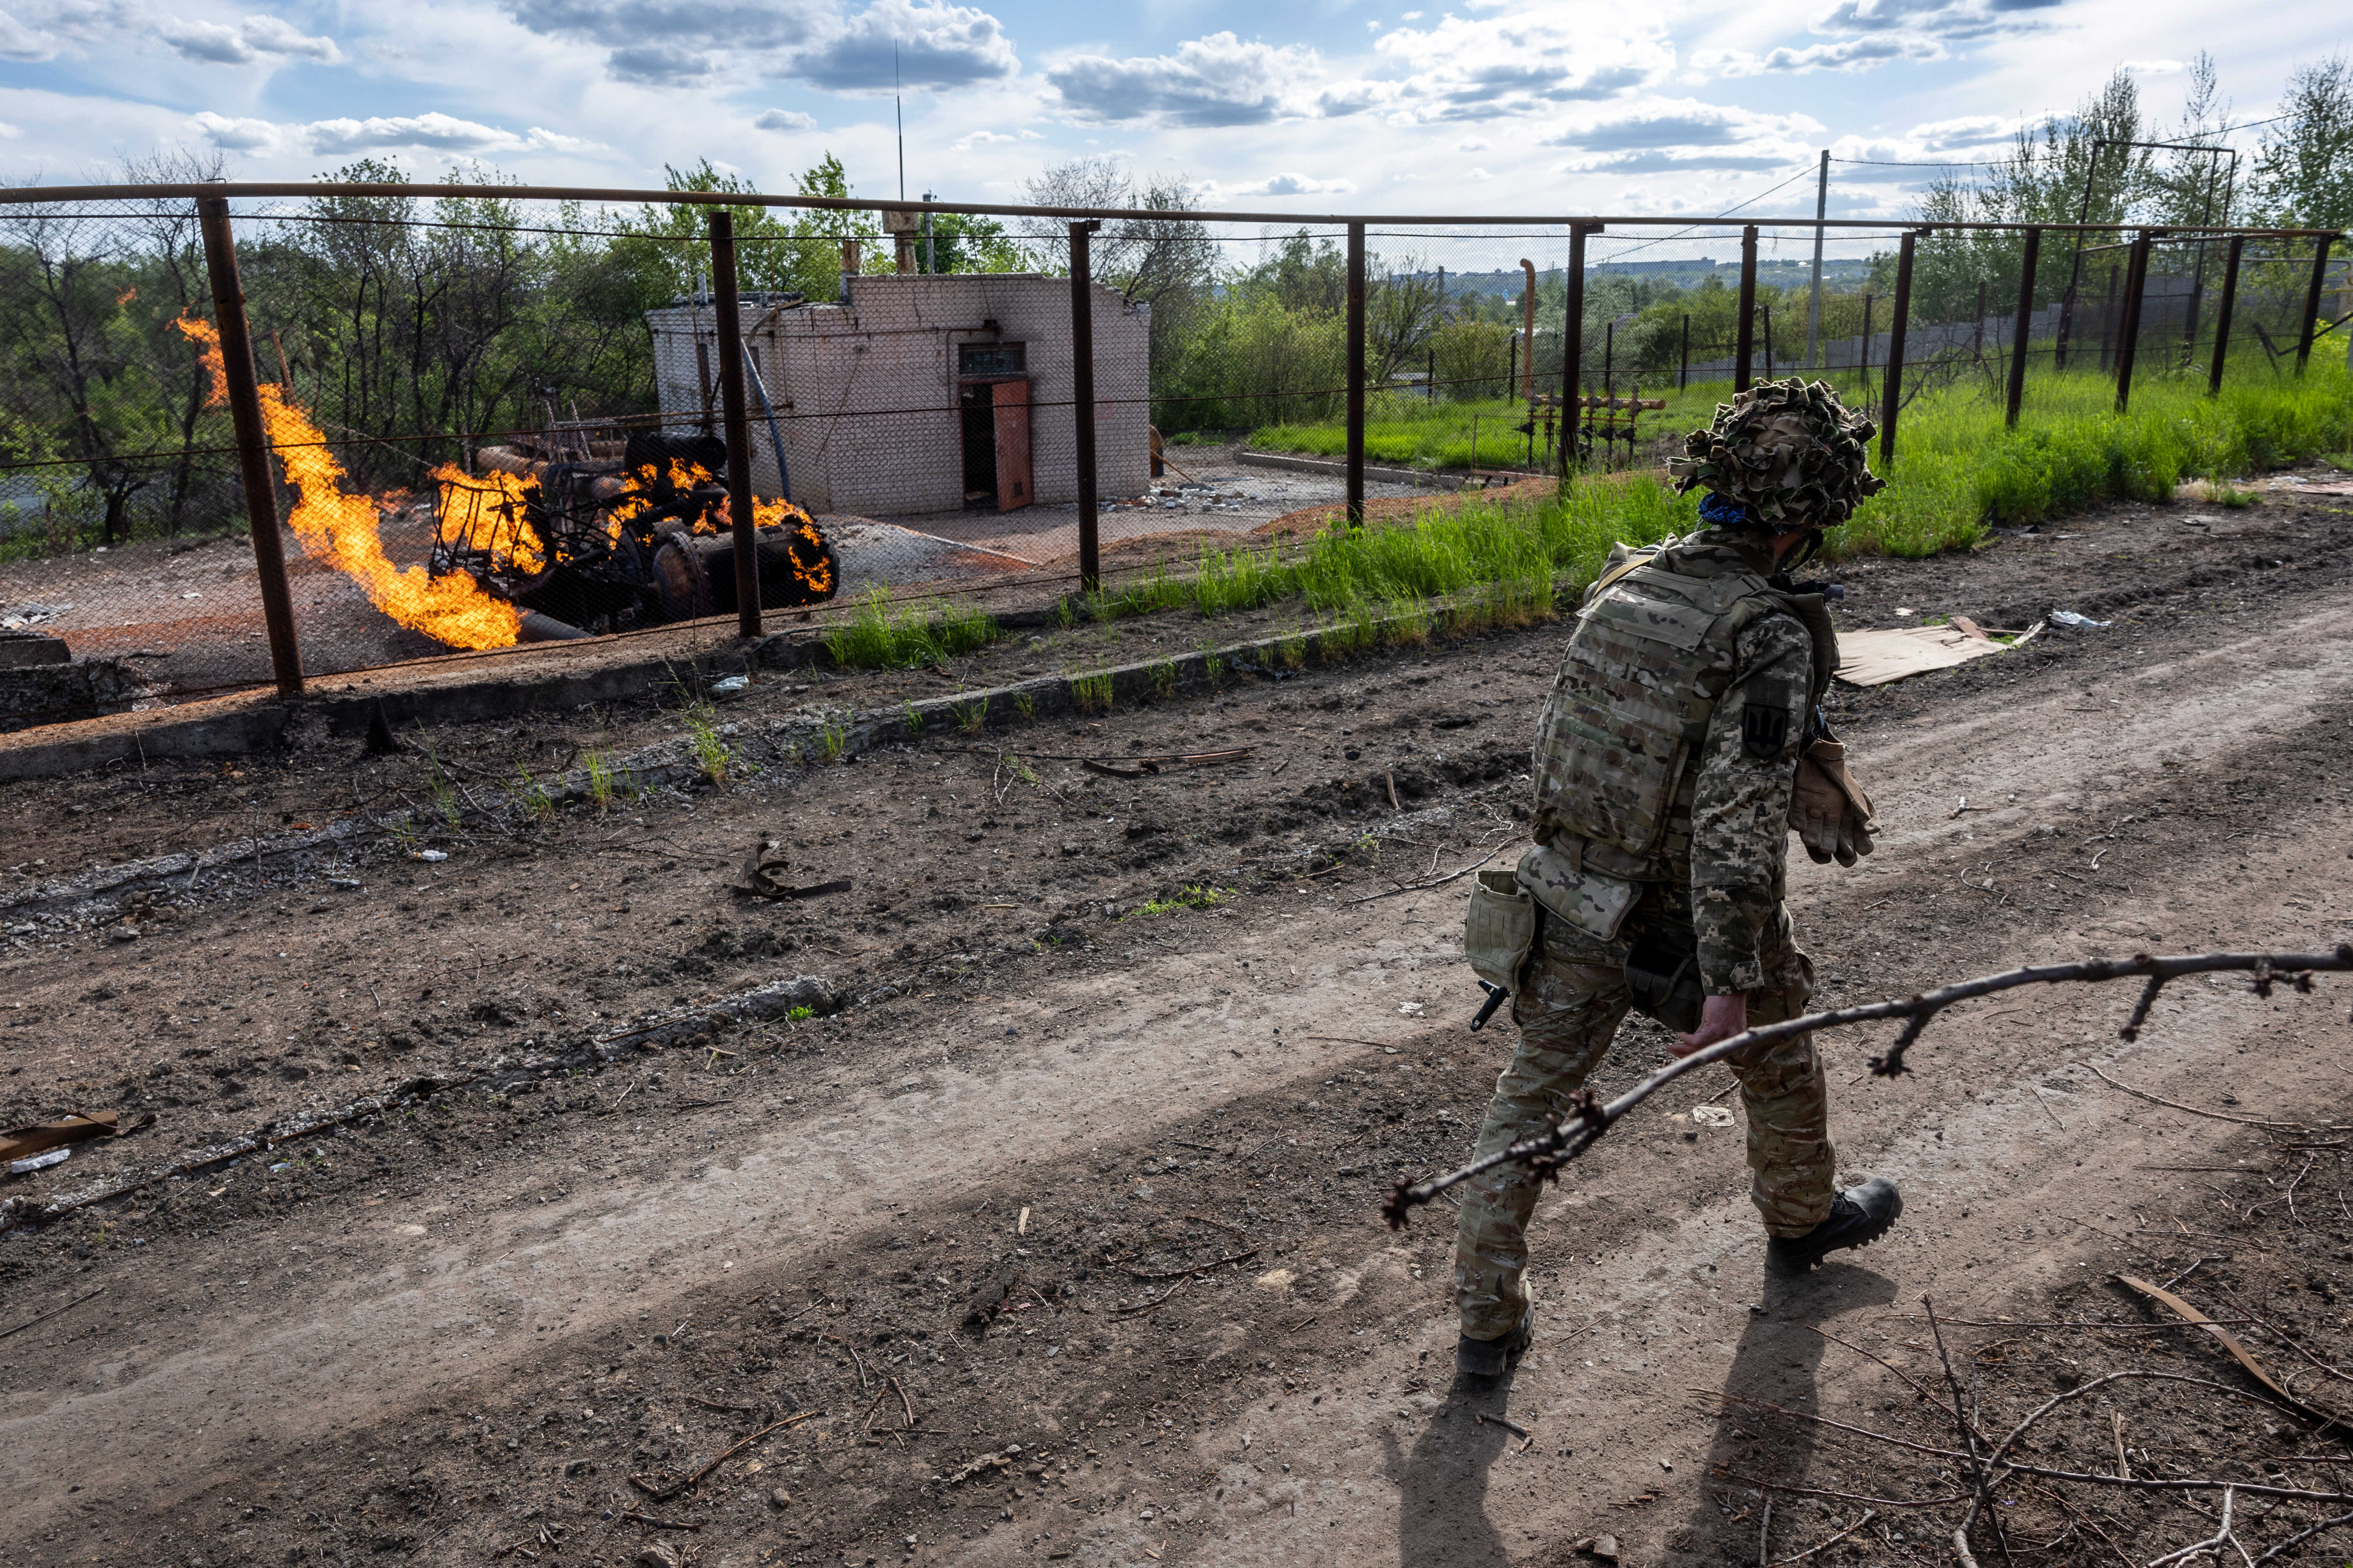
(340, 529)
(501, 494)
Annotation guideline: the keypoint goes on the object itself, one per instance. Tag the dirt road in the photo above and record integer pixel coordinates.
(932, 1230)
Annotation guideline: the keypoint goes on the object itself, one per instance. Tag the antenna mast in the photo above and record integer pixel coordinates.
(898, 106)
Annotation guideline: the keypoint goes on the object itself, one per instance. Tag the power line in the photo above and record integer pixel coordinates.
(1984, 164)
(1803, 171)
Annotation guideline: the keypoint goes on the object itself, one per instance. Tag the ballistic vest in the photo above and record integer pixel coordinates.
(1652, 654)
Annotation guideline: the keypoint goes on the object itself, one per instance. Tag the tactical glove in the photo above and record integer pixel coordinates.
(1828, 810)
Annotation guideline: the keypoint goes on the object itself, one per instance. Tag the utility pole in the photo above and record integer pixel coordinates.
(931, 258)
(1822, 211)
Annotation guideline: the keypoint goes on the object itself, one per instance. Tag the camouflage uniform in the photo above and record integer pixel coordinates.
(1731, 678)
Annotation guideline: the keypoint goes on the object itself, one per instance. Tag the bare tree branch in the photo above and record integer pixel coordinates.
(1587, 1119)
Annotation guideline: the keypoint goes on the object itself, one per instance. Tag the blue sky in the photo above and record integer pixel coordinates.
(1338, 106)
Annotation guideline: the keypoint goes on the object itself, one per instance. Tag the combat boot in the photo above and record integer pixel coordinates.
(1858, 1217)
(1494, 1358)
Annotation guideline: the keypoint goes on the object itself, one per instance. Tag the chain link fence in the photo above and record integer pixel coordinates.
(477, 418)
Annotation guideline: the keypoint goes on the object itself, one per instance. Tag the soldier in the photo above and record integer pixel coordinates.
(1683, 738)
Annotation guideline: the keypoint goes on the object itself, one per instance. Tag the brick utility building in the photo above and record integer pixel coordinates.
(921, 392)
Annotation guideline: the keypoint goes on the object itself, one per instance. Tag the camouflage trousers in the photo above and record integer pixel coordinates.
(1571, 999)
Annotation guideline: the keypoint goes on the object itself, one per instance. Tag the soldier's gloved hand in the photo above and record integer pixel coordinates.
(1828, 810)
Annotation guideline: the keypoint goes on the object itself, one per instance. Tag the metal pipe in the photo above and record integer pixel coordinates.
(21, 195)
(1744, 352)
(1822, 211)
(2109, 323)
(1862, 360)
(2222, 308)
(729, 310)
(1608, 393)
(1682, 363)
(1355, 375)
(252, 442)
(1572, 345)
(2021, 329)
(1528, 331)
(1892, 403)
(1083, 402)
(768, 412)
(2135, 285)
(2312, 304)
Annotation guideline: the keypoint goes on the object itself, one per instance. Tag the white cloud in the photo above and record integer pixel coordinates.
(920, 46)
(434, 133)
(2155, 68)
(1684, 135)
(965, 144)
(1456, 69)
(8, 131)
(1852, 54)
(256, 39)
(1476, 172)
(785, 120)
(1869, 32)
(1211, 81)
(682, 43)
(1969, 131)
(1472, 144)
(273, 37)
(1462, 69)
(1283, 185)
(662, 42)
(21, 42)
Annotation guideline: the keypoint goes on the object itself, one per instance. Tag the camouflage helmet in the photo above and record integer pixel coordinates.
(1788, 452)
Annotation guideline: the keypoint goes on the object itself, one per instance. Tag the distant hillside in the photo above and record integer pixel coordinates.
(1689, 272)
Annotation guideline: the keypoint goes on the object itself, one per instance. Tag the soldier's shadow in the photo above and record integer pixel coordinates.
(1443, 1494)
(1778, 1361)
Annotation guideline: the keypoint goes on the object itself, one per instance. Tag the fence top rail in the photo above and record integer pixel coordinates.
(43, 195)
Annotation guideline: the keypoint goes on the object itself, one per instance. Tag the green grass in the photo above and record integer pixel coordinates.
(1956, 471)
(1193, 898)
(880, 637)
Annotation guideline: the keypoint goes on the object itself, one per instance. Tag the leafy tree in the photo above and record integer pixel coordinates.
(2304, 169)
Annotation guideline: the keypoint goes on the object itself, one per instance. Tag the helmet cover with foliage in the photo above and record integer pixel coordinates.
(1787, 452)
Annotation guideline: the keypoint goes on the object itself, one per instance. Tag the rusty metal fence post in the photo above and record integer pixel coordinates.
(1083, 402)
(2022, 331)
(728, 328)
(1572, 350)
(1744, 355)
(1892, 379)
(252, 442)
(2312, 302)
(1356, 377)
(2135, 285)
(2222, 308)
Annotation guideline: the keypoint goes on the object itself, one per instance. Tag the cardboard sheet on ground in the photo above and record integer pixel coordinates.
(1876, 657)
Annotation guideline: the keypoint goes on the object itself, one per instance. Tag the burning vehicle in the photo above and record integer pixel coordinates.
(591, 528)
(565, 533)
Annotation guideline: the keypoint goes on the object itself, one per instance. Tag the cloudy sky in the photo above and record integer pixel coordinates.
(1342, 106)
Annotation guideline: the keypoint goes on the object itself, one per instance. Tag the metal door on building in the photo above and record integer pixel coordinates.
(1014, 485)
(993, 401)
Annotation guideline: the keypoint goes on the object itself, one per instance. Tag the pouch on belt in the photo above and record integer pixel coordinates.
(1500, 929)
